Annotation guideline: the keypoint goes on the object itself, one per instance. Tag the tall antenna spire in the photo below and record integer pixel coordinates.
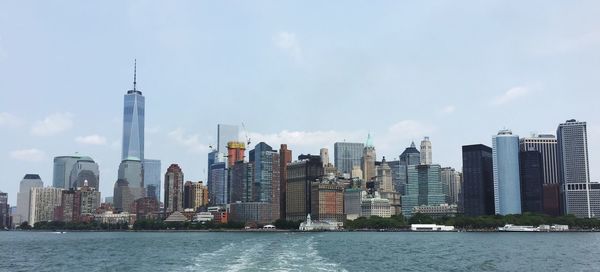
(134, 73)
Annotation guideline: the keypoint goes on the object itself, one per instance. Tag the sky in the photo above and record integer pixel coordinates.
(305, 73)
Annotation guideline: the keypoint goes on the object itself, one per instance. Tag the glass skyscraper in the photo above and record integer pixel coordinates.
(133, 124)
(478, 180)
(225, 134)
(152, 173)
(507, 185)
(347, 155)
(424, 187)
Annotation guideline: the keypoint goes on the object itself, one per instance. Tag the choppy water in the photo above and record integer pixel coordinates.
(365, 251)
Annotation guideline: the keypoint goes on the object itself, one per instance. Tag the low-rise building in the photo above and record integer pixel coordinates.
(109, 217)
(258, 212)
(317, 225)
(430, 227)
(437, 211)
(375, 206)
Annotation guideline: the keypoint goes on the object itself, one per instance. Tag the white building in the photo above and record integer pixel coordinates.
(426, 154)
(430, 227)
(204, 217)
(310, 225)
(109, 217)
(28, 182)
(42, 203)
(375, 206)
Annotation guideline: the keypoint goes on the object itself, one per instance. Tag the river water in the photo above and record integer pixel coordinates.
(287, 251)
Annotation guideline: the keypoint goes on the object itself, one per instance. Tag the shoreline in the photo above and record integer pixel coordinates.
(299, 231)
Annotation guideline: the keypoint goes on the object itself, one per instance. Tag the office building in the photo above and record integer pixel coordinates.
(426, 155)
(424, 187)
(507, 185)
(152, 178)
(374, 205)
(383, 181)
(300, 175)
(242, 182)
(452, 184)
(410, 156)
(255, 212)
(347, 156)
(173, 189)
(327, 201)
(547, 145)
(133, 123)
(368, 160)
(43, 201)
(324, 152)
(195, 195)
(285, 157)
(70, 172)
(478, 180)
(532, 180)
(147, 208)
(235, 152)
(218, 186)
(29, 181)
(129, 185)
(5, 222)
(574, 168)
(437, 211)
(352, 203)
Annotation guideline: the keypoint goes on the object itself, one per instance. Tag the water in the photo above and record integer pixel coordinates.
(362, 251)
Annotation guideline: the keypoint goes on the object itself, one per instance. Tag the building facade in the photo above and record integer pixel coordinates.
(5, 222)
(368, 160)
(574, 168)
(347, 156)
(285, 157)
(426, 152)
(327, 202)
(173, 189)
(410, 156)
(452, 185)
(478, 180)
(70, 172)
(152, 180)
(129, 185)
(507, 185)
(424, 187)
(300, 175)
(133, 123)
(29, 181)
(218, 186)
(195, 195)
(43, 202)
(532, 180)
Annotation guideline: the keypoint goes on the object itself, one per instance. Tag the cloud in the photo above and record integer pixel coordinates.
(93, 139)
(52, 124)
(511, 95)
(9, 120)
(312, 139)
(28, 155)
(191, 141)
(287, 42)
(449, 109)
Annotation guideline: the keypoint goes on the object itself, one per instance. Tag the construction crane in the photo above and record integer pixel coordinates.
(246, 134)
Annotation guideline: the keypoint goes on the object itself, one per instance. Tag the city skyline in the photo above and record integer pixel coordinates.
(185, 100)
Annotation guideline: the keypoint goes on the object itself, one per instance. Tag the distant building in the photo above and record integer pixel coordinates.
(257, 212)
(426, 154)
(368, 160)
(478, 181)
(173, 189)
(133, 123)
(195, 195)
(43, 201)
(226, 134)
(4, 212)
(314, 225)
(410, 156)
(147, 208)
(375, 206)
(285, 157)
(235, 152)
(29, 181)
(266, 176)
(384, 178)
(532, 180)
(300, 175)
(70, 172)
(347, 156)
(242, 182)
(109, 217)
(578, 197)
(78, 204)
(352, 203)
(129, 185)
(152, 180)
(437, 211)
(452, 184)
(424, 187)
(327, 201)
(218, 187)
(507, 185)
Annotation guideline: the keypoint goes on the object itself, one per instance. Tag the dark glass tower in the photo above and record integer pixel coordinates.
(532, 179)
(478, 180)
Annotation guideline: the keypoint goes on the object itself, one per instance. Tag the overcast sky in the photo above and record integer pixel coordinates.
(303, 73)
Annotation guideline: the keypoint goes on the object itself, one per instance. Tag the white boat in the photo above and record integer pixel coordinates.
(513, 228)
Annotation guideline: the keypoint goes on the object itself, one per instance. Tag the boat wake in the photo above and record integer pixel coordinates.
(270, 253)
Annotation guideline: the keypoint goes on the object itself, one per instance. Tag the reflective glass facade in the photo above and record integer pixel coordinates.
(507, 185)
(347, 155)
(133, 125)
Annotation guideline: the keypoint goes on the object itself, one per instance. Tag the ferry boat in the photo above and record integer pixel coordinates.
(513, 228)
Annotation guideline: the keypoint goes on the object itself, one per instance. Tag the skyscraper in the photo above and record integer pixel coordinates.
(70, 172)
(451, 182)
(152, 180)
(130, 184)
(226, 134)
(324, 156)
(532, 176)
(133, 122)
(478, 180)
(43, 201)
(266, 176)
(217, 187)
(300, 175)
(410, 156)
(426, 157)
(285, 157)
(507, 185)
(29, 181)
(574, 168)
(347, 155)
(173, 189)
(242, 182)
(195, 195)
(368, 160)
(235, 152)
(4, 211)
(384, 178)
(424, 187)
(547, 145)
